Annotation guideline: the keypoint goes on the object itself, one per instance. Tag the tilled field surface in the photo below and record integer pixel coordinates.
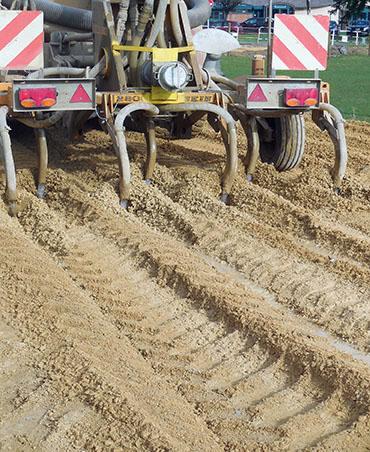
(185, 324)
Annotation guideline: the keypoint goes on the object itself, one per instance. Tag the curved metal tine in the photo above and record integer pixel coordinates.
(151, 146)
(124, 169)
(253, 143)
(338, 137)
(9, 166)
(230, 141)
(121, 148)
(42, 148)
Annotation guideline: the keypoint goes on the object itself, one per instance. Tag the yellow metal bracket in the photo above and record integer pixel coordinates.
(159, 54)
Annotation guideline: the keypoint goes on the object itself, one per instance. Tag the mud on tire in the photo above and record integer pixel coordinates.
(283, 144)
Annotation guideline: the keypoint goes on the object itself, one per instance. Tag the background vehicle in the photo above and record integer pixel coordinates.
(254, 23)
(362, 26)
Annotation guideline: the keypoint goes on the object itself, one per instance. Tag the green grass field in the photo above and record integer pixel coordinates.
(349, 78)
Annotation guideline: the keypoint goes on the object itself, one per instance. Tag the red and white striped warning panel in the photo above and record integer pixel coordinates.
(21, 40)
(300, 42)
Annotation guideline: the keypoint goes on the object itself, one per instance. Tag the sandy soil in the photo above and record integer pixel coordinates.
(185, 324)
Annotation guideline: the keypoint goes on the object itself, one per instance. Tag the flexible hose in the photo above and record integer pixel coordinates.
(225, 81)
(160, 15)
(199, 11)
(175, 22)
(67, 71)
(156, 28)
(144, 18)
(61, 14)
(53, 71)
(122, 19)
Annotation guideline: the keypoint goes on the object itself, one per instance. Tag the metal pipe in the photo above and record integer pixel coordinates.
(42, 162)
(225, 81)
(78, 37)
(269, 48)
(231, 150)
(151, 147)
(340, 144)
(123, 159)
(9, 167)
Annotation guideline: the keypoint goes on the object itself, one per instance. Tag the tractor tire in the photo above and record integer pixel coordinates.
(283, 146)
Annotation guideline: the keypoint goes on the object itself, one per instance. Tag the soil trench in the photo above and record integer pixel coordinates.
(184, 324)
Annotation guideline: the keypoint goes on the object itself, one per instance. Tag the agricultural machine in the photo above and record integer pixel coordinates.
(141, 64)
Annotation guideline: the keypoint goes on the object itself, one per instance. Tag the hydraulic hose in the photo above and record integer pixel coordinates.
(53, 71)
(67, 71)
(122, 19)
(175, 22)
(160, 15)
(81, 19)
(67, 16)
(144, 18)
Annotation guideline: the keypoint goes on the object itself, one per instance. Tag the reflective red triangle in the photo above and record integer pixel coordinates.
(80, 95)
(257, 95)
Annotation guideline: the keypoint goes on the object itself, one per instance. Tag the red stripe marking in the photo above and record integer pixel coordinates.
(10, 31)
(286, 56)
(323, 21)
(305, 38)
(28, 54)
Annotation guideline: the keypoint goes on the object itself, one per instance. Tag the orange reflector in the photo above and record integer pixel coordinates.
(48, 102)
(310, 101)
(293, 102)
(28, 103)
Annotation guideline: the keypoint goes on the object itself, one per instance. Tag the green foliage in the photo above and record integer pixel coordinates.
(350, 8)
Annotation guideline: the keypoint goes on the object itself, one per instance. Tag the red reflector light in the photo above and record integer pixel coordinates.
(37, 97)
(300, 97)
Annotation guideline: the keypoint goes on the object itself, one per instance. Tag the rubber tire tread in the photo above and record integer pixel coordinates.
(290, 142)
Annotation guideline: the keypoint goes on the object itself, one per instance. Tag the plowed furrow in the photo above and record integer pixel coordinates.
(166, 327)
(112, 260)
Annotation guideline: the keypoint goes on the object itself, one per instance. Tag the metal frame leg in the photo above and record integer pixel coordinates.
(151, 146)
(9, 166)
(42, 162)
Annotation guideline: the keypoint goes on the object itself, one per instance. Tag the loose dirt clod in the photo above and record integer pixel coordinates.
(182, 323)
